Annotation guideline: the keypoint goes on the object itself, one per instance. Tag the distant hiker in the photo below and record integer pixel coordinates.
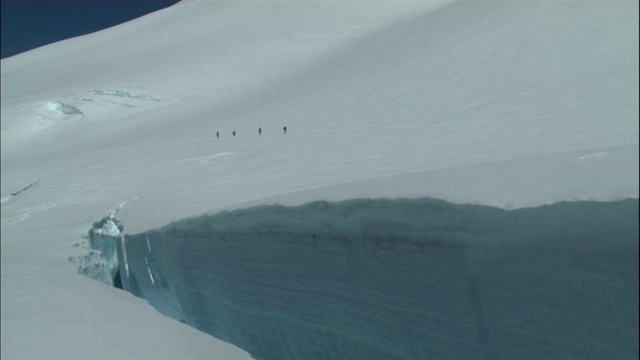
(259, 131)
(217, 134)
(234, 134)
(285, 129)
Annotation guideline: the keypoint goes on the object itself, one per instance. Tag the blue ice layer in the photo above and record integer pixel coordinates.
(400, 279)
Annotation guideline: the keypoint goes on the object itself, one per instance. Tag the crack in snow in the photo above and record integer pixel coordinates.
(123, 94)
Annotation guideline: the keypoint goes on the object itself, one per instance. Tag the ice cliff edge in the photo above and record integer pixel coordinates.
(400, 279)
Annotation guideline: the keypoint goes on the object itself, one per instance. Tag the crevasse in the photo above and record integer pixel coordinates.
(400, 279)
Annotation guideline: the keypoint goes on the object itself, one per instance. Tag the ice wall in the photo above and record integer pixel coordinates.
(401, 279)
(101, 262)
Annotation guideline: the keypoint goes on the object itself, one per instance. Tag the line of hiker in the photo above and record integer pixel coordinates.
(284, 131)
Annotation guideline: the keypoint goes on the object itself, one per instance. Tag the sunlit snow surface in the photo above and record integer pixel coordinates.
(513, 104)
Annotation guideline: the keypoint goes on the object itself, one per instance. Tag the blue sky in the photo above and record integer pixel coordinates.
(28, 24)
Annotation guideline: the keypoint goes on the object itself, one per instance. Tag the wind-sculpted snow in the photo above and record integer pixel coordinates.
(400, 279)
(65, 109)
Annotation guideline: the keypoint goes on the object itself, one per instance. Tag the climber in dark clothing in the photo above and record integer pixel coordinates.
(285, 129)
(259, 131)
(234, 134)
(217, 134)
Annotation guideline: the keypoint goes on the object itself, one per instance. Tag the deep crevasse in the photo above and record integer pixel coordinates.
(400, 279)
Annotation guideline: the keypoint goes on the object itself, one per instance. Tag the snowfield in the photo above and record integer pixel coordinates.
(506, 105)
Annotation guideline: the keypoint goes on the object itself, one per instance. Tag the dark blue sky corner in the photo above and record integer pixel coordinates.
(29, 24)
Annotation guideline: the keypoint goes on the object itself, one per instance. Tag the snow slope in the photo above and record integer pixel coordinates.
(508, 103)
